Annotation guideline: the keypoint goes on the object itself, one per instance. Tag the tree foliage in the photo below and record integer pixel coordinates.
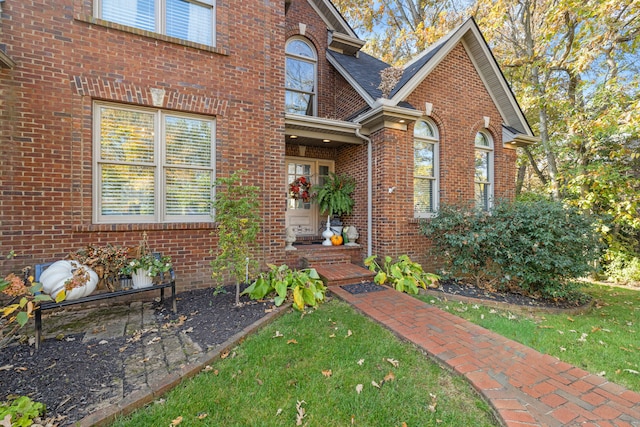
(573, 66)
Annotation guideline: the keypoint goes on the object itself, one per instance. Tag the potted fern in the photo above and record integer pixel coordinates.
(334, 197)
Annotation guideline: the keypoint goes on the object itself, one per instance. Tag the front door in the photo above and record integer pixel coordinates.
(302, 212)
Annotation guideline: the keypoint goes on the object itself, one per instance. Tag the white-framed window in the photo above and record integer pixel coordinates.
(151, 165)
(425, 169)
(483, 170)
(192, 20)
(300, 80)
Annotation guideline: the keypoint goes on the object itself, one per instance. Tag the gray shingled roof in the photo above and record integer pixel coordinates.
(364, 69)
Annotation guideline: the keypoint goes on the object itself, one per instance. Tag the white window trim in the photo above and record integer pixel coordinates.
(159, 165)
(490, 172)
(314, 61)
(435, 140)
(161, 24)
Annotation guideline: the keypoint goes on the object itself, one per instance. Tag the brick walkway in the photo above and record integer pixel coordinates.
(525, 388)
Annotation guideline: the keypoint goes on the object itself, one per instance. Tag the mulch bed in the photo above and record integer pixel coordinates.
(62, 374)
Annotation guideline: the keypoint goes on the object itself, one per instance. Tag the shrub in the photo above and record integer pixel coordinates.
(237, 216)
(304, 286)
(622, 267)
(404, 274)
(540, 245)
(20, 412)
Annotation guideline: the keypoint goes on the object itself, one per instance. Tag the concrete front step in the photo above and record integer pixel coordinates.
(344, 274)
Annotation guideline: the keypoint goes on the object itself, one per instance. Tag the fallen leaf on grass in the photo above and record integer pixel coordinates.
(176, 422)
(394, 362)
(360, 362)
(6, 422)
(389, 377)
(349, 333)
(279, 411)
(359, 388)
(277, 335)
(202, 415)
(224, 354)
(327, 373)
(300, 413)
(332, 336)
(631, 371)
(292, 342)
(375, 384)
(434, 403)
(570, 319)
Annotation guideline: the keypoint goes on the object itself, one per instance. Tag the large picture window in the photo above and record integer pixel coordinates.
(300, 80)
(425, 169)
(192, 20)
(483, 170)
(152, 165)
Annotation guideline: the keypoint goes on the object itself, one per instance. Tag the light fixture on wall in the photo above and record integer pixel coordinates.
(293, 136)
(326, 141)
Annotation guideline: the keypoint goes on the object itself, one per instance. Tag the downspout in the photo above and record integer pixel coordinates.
(369, 191)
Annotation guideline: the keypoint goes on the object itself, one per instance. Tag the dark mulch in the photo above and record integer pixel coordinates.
(63, 372)
(455, 287)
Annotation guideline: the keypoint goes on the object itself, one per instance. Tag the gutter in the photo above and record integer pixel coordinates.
(369, 191)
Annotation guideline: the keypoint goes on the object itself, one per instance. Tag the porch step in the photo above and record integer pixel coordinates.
(325, 257)
(344, 274)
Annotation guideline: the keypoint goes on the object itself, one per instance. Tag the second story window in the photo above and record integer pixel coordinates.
(192, 20)
(300, 81)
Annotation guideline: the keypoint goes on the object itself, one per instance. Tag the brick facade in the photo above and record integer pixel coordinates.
(66, 60)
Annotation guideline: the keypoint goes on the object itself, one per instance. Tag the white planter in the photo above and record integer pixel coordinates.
(141, 279)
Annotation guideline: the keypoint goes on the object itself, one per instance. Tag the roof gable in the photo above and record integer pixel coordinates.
(332, 17)
(485, 63)
(363, 73)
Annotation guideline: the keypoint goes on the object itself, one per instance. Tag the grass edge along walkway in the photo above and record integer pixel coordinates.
(524, 386)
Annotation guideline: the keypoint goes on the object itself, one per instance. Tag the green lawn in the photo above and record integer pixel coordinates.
(604, 341)
(320, 359)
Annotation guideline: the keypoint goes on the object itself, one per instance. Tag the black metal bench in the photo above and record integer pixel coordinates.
(167, 280)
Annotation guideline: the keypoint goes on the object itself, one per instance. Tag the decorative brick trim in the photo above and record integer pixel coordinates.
(111, 90)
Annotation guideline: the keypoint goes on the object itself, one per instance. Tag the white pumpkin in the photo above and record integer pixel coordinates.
(55, 276)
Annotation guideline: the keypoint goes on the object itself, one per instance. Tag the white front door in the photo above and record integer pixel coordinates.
(302, 214)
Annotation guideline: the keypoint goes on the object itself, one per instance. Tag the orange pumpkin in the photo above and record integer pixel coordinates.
(336, 240)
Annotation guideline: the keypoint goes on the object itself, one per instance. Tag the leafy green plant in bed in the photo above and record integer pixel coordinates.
(404, 275)
(20, 412)
(304, 286)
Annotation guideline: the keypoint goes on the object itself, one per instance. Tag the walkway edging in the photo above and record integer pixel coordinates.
(146, 395)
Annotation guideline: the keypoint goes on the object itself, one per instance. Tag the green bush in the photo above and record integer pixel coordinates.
(304, 286)
(21, 412)
(540, 246)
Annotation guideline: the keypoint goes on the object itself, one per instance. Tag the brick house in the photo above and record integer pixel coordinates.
(117, 116)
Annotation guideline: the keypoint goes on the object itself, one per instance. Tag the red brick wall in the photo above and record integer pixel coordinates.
(460, 101)
(65, 59)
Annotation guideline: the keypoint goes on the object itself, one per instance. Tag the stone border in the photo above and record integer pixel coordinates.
(585, 308)
(140, 398)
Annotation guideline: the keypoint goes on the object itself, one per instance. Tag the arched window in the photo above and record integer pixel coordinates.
(425, 169)
(300, 80)
(483, 170)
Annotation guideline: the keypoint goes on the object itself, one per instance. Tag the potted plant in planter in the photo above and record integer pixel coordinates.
(334, 199)
(145, 265)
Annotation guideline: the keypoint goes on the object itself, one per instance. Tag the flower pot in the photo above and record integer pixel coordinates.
(141, 279)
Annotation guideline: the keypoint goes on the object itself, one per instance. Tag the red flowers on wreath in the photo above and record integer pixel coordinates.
(300, 189)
